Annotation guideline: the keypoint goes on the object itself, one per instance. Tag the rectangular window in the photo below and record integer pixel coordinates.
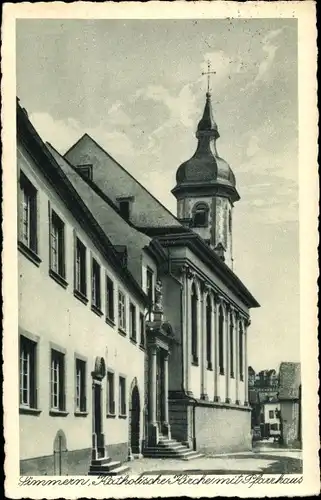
(110, 299)
(121, 311)
(231, 350)
(28, 389)
(150, 289)
(122, 396)
(209, 334)
(271, 414)
(28, 213)
(110, 394)
(221, 341)
(81, 402)
(57, 380)
(132, 311)
(57, 245)
(241, 353)
(95, 284)
(142, 329)
(80, 268)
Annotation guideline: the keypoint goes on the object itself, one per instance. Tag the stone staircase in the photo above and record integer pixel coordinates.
(170, 448)
(107, 467)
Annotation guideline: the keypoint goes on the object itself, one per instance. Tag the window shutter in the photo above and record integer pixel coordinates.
(62, 251)
(75, 259)
(33, 222)
(20, 207)
(49, 226)
(33, 377)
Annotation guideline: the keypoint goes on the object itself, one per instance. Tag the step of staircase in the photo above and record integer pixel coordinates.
(170, 448)
(107, 467)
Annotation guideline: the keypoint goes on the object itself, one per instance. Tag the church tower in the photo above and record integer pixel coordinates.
(206, 191)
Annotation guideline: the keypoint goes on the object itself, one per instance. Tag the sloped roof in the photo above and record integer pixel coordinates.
(52, 170)
(290, 380)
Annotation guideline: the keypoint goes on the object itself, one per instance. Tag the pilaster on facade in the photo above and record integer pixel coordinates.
(237, 360)
(227, 353)
(217, 302)
(246, 383)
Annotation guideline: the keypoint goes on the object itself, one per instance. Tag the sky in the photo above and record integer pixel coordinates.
(136, 87)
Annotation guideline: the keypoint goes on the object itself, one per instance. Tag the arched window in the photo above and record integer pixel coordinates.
(241, 351)
(231, 348)
(209, 333)
(200, 215)
(194, 324)
(221, 340)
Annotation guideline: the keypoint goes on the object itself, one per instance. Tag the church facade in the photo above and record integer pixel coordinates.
(206, 304)
(140, 325)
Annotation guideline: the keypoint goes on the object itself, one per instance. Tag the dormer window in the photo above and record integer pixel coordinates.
(85, 171)
(124, 205)
(124, 209)
(200, 215)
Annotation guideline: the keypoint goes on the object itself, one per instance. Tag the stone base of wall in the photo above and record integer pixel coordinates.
(219, 428)
(222, 430)
(73, 463)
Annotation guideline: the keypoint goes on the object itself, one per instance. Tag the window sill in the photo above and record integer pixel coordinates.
(26, 410)
(142, 347)
(222, 371)
(195, 361)
(80, 296)
(241, 379)
(58, 413)
(30, 254)
(122, 332)
(111, 415)
(122, 416)
(232, 375)
(81, 413)
(110, 322)
(96, 310)
(210, 366)
(59, 279)
(133, 340)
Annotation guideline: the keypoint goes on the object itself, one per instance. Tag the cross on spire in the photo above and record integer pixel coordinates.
(208, 73)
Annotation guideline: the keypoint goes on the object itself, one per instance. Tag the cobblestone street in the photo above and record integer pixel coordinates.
(268, 461)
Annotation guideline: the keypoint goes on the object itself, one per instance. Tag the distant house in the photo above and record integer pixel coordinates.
(269, 416)
(290, 402)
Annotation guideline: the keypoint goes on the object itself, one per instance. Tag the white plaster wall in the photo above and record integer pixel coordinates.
(233, 390)
(222, 387)
(241, 392)
(55, 315)
(195, 381)
(267, 408)
(210, 384)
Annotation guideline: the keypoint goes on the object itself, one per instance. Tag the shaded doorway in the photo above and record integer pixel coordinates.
(98, 443)
(60, 454)
(135, 421)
